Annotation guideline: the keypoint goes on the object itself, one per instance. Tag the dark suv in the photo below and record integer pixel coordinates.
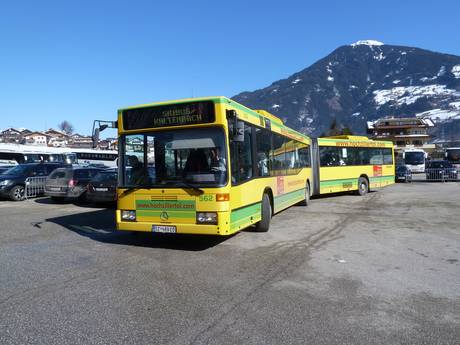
(13, 181)
(71, 183)
(441, 171)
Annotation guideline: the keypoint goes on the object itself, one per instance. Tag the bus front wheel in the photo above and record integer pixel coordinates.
(363, 186)
(266, 213)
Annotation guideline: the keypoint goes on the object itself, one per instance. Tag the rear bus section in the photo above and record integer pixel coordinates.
(352, 163)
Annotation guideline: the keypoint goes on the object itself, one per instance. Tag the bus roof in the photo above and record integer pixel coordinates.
(222, 99)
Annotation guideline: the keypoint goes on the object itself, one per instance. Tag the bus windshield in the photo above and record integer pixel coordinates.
(195, 157)
(414, 158)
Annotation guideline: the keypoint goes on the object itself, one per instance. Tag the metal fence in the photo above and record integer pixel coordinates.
(34, 186)
(441, 174)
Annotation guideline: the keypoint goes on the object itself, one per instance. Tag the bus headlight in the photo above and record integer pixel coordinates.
(206, 218)
(128, 215)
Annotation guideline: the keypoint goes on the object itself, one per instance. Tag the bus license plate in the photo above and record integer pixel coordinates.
(101, 189)
(164, 229)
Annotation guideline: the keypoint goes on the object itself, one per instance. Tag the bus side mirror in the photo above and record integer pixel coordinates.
(239, 132)
(95, 137)
(236, 128)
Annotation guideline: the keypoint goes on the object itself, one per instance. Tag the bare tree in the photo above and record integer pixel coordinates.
(66, 127)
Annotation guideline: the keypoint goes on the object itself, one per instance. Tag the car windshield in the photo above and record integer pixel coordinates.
(414, 158)
(183, 157)
(437, 165)
(19, 170)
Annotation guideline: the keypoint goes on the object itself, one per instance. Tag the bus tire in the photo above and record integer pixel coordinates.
(57, 199)
(363, 186)
(266, 213)
(17, 193)
(306, 199)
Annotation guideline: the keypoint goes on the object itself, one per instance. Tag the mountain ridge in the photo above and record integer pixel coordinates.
(362, 82)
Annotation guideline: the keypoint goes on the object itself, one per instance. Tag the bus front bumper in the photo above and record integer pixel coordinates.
(197, 229)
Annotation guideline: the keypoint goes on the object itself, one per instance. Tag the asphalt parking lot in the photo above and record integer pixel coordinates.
(379, 269)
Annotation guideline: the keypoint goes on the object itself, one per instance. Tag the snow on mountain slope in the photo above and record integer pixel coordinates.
(410, 94)
(367, 43)
(362, 82)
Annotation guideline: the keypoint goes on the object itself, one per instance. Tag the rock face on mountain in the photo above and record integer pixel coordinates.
(365, 81)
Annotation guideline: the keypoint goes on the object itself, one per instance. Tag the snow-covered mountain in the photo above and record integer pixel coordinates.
(364, 81)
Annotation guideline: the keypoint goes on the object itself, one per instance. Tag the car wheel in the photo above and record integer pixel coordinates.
(266, 213)
(363, 186)
(17, 193)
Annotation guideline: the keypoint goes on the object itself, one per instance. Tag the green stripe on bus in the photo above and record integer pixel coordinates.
(171, 214)
(329, 183)
(288, 199)
(243, 215)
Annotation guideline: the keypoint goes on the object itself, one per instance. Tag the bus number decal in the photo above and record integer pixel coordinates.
(207, 197)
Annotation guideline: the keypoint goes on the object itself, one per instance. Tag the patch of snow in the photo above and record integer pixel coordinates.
(351, 87)
(295, 102)
(426, 78)
(397, 81)
(296, 81)
(442, 71)
(329, 78)
(455, 105)
(439, 114)
(410, 94)
(403, 53)
(356, 114)
(367, 43)
(274, 91)
(456, 71)
(275, 106)
(379, 57)
(328, 69)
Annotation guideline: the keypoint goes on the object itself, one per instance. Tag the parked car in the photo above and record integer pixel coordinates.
(103, 187)
(13, 180)
(403, 174)
(441, 171)
(4, 168)
(69, 183)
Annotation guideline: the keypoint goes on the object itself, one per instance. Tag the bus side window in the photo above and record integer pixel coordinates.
(278, 160)
(304, 156)
(241, 157)
(387, 156)
(263, 147)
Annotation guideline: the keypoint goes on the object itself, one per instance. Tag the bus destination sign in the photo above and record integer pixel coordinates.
(169, 115)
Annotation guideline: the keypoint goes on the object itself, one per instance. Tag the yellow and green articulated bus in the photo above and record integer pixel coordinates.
(213, 166)
(207, 166)
(351, 163)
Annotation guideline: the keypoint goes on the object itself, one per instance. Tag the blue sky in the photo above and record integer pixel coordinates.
(82, 60)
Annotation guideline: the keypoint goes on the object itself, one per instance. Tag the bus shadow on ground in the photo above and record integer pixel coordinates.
(83, 203)
(100, 226)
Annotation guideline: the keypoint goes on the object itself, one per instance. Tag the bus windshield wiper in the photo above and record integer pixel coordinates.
(129, 190)
(192, 186)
